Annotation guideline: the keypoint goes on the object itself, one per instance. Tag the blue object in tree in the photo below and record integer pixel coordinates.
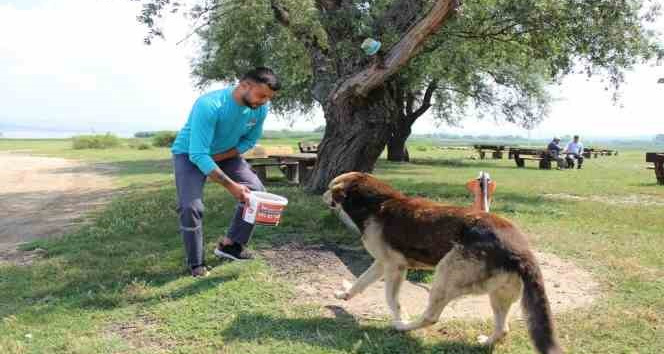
(371, 46)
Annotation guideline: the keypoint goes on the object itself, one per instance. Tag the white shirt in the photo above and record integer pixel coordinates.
(574, 148)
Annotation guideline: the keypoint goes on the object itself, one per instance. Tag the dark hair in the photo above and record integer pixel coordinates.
(262, 75)
(576, 136)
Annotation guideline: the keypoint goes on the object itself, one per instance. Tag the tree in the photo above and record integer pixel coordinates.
(487, 57)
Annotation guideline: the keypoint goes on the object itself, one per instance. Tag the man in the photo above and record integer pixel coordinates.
(222, 125)
(554, 149)
(574, 150)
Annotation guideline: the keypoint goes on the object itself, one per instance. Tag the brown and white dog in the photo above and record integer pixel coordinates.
(471, 251)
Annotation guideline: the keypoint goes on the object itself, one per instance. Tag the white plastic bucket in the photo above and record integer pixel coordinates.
(264, 208)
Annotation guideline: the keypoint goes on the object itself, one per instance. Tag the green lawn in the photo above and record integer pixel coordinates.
(119, 285)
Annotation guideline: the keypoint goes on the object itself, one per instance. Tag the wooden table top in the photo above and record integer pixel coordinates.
(302, 156)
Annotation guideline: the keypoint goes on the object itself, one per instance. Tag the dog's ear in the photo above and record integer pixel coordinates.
(338, 192)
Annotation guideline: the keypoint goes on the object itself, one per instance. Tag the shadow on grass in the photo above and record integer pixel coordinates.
(453, 163)
(342, 333)
(133, 247)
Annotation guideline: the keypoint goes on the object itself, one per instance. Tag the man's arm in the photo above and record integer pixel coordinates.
(226, 155)
(239, 191)
(203, 120)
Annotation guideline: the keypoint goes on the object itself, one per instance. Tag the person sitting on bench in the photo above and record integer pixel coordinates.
(574, 150)
(553, 150)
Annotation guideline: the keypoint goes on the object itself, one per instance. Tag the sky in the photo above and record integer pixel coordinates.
(81, 66)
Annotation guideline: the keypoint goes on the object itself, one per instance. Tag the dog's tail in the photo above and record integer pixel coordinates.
(536, 307)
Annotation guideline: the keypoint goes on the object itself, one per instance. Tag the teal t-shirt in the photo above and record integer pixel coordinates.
(217, 124)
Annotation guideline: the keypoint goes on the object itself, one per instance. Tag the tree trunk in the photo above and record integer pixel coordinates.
(396, 147)
(356, 132)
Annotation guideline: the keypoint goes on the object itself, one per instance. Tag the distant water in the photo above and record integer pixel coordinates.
(46, 134)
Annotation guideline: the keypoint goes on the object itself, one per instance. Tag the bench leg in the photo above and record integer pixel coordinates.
(519, 162)
(659, 172)
(291, 173)
(545, 164)
(482, 155)
(261, 172)
(302, 172)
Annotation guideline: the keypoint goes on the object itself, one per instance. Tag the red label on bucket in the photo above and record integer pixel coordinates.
(268, 214)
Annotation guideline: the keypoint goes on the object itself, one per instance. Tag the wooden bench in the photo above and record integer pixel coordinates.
(594, 152)
(308, 147)
(522, 154)
(590, 152)
(657, 158)
(495, 150)
(608, 152)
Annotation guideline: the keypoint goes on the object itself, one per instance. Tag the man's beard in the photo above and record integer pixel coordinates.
(247, 103)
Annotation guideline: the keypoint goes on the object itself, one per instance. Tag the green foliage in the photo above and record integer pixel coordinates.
(494, 58)
(244, 36)
(139, 144)
(164, 138)
(99, 141)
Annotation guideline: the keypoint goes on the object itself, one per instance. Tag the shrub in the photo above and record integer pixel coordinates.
(99, 141)
(164, 138)
(140, 144)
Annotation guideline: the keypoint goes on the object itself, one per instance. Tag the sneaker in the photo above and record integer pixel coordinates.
(234, 252)
(199, 271)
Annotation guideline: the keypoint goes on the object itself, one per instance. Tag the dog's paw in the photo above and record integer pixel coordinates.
(342, 295)
(484, 340)
(401, 326)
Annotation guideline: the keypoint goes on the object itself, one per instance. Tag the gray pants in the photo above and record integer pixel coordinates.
(189, 182)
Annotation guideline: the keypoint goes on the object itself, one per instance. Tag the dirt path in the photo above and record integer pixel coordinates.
(45, 197)
(317, 271)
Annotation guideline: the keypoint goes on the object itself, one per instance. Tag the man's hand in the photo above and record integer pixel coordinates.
(239, 191)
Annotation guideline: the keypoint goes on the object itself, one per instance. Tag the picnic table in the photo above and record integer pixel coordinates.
(657, 158)
(259, 158)
(495, 150)
(308, 147)
(304, 161)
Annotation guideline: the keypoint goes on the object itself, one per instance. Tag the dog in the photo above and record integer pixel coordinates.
(471, 251)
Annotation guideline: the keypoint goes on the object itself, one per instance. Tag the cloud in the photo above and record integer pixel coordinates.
(82, 63)
(76, 61)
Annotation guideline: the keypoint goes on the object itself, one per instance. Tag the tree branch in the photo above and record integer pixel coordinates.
(322, 65)
(426, 102)
(410, 101)
(368, 79)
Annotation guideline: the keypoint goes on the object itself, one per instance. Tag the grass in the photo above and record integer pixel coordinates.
(118, 285)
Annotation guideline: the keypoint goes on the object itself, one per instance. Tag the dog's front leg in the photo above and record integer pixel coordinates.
(367, 278)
